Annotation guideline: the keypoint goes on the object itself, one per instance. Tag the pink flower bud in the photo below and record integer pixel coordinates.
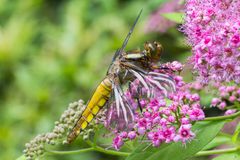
(232, 98)
(141, 130)
(123, 134)
(230, 111)
(117, 142)
(222, 105)
(215, 101)
(171, 119)
(132, 135)
(195, 97)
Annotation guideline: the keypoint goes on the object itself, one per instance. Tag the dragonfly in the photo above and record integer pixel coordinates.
(125, 67)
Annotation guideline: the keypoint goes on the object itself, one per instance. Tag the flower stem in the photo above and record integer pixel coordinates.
(96, 148)
(70, 152)
(217, 151)
(232, 116)
(92, 148)
(112, 152)
(103, 150)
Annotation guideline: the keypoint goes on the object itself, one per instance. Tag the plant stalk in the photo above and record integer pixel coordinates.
(217, 118)
(217, 151)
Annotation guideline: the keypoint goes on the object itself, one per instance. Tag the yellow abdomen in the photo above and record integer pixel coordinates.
(97, 101)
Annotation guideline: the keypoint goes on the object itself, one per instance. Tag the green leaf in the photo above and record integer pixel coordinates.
(205, 132)
(230, 156)
(217, 141)
(174, 16)
(236, 133)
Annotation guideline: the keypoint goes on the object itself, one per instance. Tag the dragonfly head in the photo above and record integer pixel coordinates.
(153, 50)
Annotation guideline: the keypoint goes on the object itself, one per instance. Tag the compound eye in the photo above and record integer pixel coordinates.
(158, 46)
(148, 47)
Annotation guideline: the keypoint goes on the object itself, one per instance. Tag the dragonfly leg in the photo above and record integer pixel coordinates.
(139, 97)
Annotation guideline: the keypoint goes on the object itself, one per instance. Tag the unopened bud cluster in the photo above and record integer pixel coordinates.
(226, 97)
(35, 147)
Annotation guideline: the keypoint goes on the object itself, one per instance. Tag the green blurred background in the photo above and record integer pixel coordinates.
(55, 52)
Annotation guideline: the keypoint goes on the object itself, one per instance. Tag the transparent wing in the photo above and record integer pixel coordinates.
(121, 109)
(119, 51)
(155, 84)
(120, 113)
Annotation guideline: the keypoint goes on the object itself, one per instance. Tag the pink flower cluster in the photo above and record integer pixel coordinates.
(213, 30)
(227, 95)
(164, 119)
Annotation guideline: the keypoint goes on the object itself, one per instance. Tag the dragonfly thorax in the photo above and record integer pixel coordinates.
(115, 68)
